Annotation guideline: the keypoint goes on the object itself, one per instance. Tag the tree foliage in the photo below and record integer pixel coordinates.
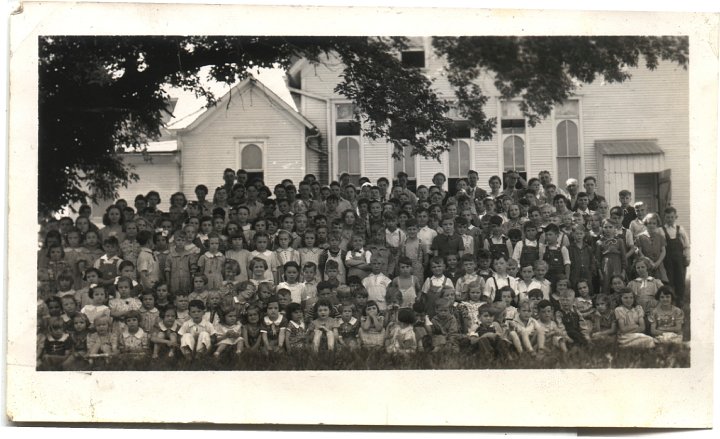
(101, 95)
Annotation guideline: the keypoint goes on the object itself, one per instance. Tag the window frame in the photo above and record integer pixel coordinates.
(336, 142)
(581, 150)
(241, 144)
(501, 141)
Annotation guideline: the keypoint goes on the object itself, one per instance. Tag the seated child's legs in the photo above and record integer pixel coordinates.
(204, 342)
(187, 341)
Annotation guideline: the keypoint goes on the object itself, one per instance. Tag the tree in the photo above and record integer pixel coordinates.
(102, 95)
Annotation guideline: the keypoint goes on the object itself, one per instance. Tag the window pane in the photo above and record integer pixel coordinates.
(251, 157)
(461, 130)
(519, 154)
(508, 162)
(350, 128)
(409, 162)
(344, 111)
(397, 166)
(562, 139)
(413, 58)
(574, 168)
(570, 109)
(353, 156)
(454, 159)
(563, 173)
(464, 158)
(343, 155)
(572, 136)
(511, 110)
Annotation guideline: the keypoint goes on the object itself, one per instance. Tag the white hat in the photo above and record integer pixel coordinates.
(571, 181)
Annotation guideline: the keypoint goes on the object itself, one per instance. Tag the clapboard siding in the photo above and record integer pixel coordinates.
(652, 105)
(213, 145)
(161, 174)
(376, 159)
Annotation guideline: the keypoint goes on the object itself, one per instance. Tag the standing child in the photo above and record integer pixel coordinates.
(433, 287)
(394, 239)
(631, 323)
(406, 282)
(309, 252)
(200, 288)
(651, 244)
(195, 334)
(120, 306)
(336, 254)
(109, 263)
(261, 241)
(99, 305)
(414, 249)
(181, 308)
(291, 271)
(452, 268)
(470, 307)
(498, 243)
(211, 263)
(147, 264)
(644, 286)
(283, 254)
(529, 249)
(583, 264)
(179, 265)
(610, 254)
(555, 255)
(164, 336)
(583, 301)
(469, 276)
(296, 332)
(666, 320)
(637, 226)
(238, 253)
(677, 258)
(79, 336)
(357, 259)
(526, 282)
(448, 242)
(228, 334)
(500, 278)
(376, 283)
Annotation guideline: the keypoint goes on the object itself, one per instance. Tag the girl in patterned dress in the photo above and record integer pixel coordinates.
(347, 328)
(273, 327)
(666, 320)
(296, 332)
(228, 334)
(651, 244)
(309, 252)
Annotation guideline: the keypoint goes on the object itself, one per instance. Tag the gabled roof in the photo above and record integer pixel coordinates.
(193, 119)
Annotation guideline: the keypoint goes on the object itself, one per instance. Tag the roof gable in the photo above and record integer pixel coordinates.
(245, 86)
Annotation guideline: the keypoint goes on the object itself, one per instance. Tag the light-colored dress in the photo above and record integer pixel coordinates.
(632, 339)
(664, 321)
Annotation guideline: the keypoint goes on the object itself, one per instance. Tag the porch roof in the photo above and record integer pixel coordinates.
(628, 147)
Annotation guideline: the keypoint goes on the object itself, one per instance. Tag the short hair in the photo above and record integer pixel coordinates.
(202, 276)
(624, 193)
(405, 315)
(134, 314)
(651, 215)
(669, 210)
(144, 237)
(496, 220)
(324, 285)
(582, 195)
(255, 261)
(487, 309)
(332, 264)
(196, 303)
(404, 260)
(437, 260)
(292, 308)
(552, 228)
(535, 292)
(111, 241)
(544, 304)
(602, 297)
(484, 254)
(666, 290)
(588, 178)
(529, 225)
(500, 291)
(638, 204)
(290, 264)
(467, 257)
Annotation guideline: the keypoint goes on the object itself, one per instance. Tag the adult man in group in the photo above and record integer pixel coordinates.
(402, 179)
(590, 184)
(229, 179)
(473, 190)
(545, 181)
(573, 188)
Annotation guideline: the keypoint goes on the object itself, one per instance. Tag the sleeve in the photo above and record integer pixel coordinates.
(679, 315)
(652, 316)
(683, 237)
(183, 329)
(435, 243)
(518, 251)
(565, 255)
(368, 255)
(143, 264)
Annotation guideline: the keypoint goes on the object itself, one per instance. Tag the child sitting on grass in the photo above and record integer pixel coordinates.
(666, 320)
(195, 334)
(604, 324)
(401, 335)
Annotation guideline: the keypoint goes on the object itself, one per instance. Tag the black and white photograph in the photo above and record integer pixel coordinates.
(376, 204)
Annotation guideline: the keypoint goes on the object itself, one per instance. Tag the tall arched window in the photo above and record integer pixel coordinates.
(567, 138)
(349, 157)
(514, 153)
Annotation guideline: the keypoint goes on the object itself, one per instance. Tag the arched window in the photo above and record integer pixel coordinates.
(406, 164)
(459, 159)
(567, 138)
(251, 159)
(514, 153)
(349, 157)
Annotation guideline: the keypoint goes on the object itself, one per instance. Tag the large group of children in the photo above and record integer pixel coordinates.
(524, 270)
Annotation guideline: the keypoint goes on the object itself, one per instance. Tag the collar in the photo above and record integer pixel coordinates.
(146, 250)
(112, 259)
(139, 334)
(352, 321)
(647, 279)
(277, 321)
(62, 338)
(296, 326)
(211, 255)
